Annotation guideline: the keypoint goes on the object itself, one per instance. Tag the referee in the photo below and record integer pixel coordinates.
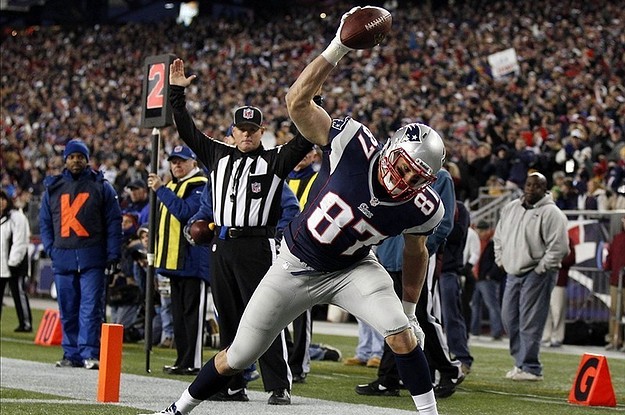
(247, 182)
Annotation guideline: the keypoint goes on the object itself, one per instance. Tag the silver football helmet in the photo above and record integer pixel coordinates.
(422, 149)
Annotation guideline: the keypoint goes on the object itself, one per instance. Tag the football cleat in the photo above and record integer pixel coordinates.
(375, 388)
(170, 410)
(280, 397)
(236, 395)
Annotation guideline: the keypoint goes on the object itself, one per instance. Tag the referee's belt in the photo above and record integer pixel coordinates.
(248, 231)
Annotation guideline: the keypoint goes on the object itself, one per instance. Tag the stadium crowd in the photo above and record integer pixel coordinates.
(563, 111)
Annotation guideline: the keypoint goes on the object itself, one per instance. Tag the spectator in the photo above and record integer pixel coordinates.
(530, 242)
(139, 201)
(470, 256)
(522, 159)
(184, 265)
(595, 197)
(557, 192)
(124, 296)
(489, 277)
(451, 290)
(14, 240)
(553, 335)
(569, 196)
(81, 232)
(615, 263)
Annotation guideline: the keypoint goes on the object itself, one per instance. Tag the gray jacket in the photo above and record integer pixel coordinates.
(531, 239)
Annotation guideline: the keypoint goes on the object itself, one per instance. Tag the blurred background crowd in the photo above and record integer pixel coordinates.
(562, 113)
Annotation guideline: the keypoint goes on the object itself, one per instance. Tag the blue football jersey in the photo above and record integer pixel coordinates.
(343, 218)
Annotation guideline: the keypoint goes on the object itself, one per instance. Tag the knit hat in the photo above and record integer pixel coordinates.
(75, 146)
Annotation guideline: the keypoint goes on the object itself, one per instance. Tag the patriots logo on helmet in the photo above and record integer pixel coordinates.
(413, 133)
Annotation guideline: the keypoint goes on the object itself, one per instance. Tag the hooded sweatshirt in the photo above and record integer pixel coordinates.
(531, 238)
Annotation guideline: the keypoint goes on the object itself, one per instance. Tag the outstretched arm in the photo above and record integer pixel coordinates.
(311, 120)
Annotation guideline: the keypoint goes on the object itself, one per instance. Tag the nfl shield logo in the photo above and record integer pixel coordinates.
(255, 187)
(248, 113)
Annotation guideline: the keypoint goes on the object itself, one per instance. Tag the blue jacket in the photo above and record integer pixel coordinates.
(444, 186)
(196, 258)
(390, 253)
(93, 234)
(453, 258)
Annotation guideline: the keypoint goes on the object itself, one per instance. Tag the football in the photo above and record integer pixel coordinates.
(202, 231)
(366, 27)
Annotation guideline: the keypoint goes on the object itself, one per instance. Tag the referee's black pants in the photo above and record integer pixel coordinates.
(238, 265)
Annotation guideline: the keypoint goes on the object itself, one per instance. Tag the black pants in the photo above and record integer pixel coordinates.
(188, 309)
(22, 306)
(238, 265)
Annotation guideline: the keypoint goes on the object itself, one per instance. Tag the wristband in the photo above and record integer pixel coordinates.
(410, 308)
(335, 51)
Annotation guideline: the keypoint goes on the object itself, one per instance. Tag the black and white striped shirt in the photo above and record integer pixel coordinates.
(247, 187)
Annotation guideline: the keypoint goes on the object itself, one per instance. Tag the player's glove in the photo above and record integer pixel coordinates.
(409, 310)
(336, 49)
(113, 268)
(187, 234)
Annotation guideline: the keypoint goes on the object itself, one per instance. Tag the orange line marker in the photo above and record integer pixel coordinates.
(50, 332)
(110, 362)
(592, 385)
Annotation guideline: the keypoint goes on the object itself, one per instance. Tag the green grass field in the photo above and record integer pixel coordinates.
(484, 392)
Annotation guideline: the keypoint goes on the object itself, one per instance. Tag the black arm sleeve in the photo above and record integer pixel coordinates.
(205, 147)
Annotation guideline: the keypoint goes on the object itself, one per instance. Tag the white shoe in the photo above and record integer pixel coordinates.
(527, 376)
(92, 364)
(171, 410)
(510, 374)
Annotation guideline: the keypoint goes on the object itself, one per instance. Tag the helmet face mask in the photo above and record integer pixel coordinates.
(416, 148)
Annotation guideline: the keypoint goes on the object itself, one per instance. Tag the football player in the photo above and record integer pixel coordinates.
(364, 193)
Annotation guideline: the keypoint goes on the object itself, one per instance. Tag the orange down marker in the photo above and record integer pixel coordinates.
(110, 362)
(50, 332)
(592, 385)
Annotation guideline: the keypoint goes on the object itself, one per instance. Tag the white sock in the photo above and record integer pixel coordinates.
(426, 403)
(186, 403)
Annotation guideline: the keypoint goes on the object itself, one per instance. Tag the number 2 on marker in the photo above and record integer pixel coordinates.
(156, 79)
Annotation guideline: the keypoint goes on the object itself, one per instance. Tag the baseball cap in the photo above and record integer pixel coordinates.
(137, 184)
(182, 152)
(143, 228)
(248, 115)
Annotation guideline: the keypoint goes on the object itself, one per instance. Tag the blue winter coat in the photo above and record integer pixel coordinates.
(96, 235)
